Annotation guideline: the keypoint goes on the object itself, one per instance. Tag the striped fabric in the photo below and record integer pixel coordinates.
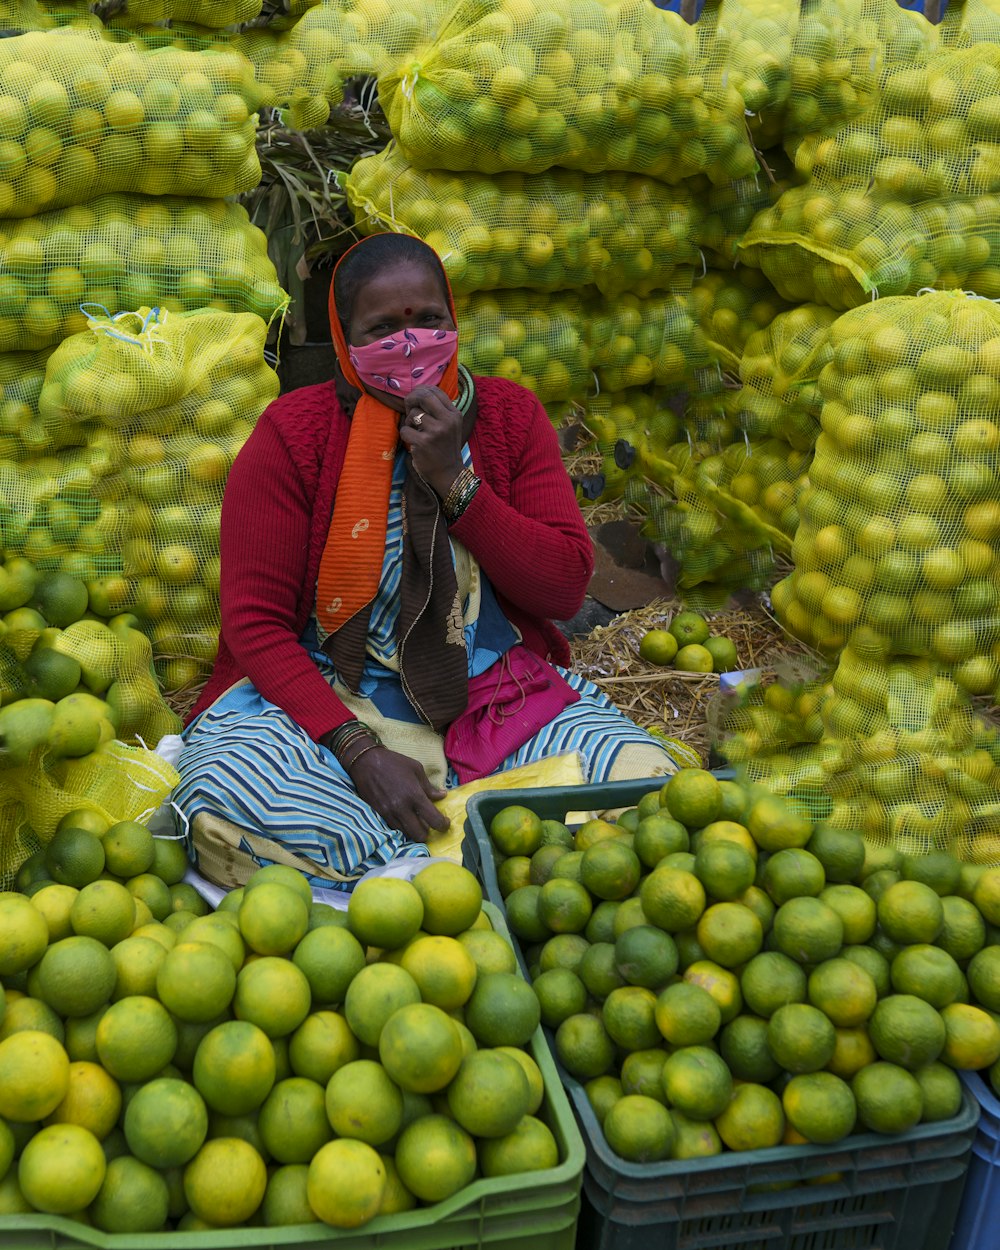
(247, 761)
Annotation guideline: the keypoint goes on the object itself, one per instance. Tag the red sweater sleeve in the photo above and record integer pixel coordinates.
(535, 549)
(266, 521)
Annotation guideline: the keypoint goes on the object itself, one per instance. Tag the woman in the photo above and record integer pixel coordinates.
(394, 546)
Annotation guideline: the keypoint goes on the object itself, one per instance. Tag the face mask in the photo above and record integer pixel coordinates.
(404, 361)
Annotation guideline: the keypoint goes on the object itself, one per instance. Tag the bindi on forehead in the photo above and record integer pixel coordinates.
(408, 311)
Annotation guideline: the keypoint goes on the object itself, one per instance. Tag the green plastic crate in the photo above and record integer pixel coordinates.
(522, 1212)
(891, 1193)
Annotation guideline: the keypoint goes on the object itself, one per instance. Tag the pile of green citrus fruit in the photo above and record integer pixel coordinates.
(276, 1061)
(688, 646)
(71, 678)
(721, 973)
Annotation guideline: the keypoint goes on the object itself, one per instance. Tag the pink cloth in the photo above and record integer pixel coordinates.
(404, 361)
(508, 704)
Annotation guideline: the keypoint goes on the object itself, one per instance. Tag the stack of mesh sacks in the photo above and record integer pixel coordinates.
(578, 165)
(897, 580)
(113, 162)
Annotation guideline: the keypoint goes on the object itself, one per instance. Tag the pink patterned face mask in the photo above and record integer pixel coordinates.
(401, 362)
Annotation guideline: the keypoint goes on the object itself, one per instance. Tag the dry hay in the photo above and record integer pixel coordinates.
(661, 698)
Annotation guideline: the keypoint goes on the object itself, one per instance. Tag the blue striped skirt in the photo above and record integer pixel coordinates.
(246, 761)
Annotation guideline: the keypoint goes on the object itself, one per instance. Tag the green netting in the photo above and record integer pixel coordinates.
(725, 212)
(900, 536)
(21, 433)
(751, 48)
(159, 413)
(343, 39)
(80, 117)
(582, 84)
(545, 232)
(839, 53)
(124, 251)
(891, 749)
(840, 246)
(779, 371)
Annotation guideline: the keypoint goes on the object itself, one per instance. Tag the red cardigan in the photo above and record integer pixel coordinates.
(524, 527)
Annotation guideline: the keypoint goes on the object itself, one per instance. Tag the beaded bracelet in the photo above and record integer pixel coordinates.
(462, 493)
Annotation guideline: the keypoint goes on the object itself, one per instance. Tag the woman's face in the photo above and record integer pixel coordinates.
(406, 297)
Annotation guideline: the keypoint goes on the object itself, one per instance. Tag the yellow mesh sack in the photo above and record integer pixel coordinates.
(900, 535)
(343, 39)
(542, 344)
(726, 211)
(628, 428)
(966, 22)
(21, 16)
(164, 403)
(839, 53)
(779, 372)
(729, 306)
(582, 84)
(638, 341)
(21, 378)
(124, 251)
(82, 117)
(545, 232)
(840, 246)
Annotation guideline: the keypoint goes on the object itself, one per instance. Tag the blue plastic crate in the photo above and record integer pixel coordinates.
(978, 1226)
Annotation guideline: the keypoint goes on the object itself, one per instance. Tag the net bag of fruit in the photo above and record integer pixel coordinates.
(84, 117)
(843, 246)
(582, 84)
(344, 39)
(840, 51)
(900, 530)
(19, 16)
(21, 432)
(627, 427)
(966, 22)
(726, 211)
(779, 371)
(546, 232)
(123, 251)
(542, 344)
(638, 341)
(165, 402)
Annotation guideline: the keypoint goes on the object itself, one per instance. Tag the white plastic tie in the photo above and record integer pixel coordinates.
(704, 263)
(408, 84)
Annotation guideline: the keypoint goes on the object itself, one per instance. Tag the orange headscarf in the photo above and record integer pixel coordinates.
(351, 565)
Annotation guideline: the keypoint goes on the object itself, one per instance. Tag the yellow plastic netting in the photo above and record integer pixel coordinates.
(23, 15)
(80, 117)
(966, 22)
(725, 212)
(546, 232)
(582, 84)
(161, 404)
(343, 39)
(749, 45)
(122, 251)
(628, 428)
(779, 372)
(840, 246)
(21, 433)
(637, 341)
(125, 14)
(900, 536)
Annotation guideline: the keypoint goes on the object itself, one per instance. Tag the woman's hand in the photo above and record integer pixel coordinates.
(432, 433)
(400, 791)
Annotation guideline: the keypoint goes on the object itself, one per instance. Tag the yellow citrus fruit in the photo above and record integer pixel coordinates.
(646, 956)
(137, 961)
(503, 1010)
(321, 1044)
(489, 951)
(986, 895)
(753, 1119)
(657, 836)
(689, 628)
(346, 1183)
(910, 912)
(658, 646)
(516, 831)
(272, 993)
(452, 898)
(104, 910)
(723, 652)
(170, 860)
(942, 1091)
(24, 934)
(929, 973)
(972, 1037)
(610, 870)
(889, 1098)
(490, 1094)
(25, 1013)
(158, 933)
(234, 1067)
(694, 659)
(964, 932)
(396, 1197)
(136, 1038)
(841, 852)
(560, 994)
(128, 849)
(721, 983)
(687, 1015)
(385, 912)
(855, 908)
(693, 797)
(196, 981)
(697, 1082)
(273, 918)
(729, 934)
(776, 825)
(364, 1103)
(672, 899)
(820, 1106)
(444, 971)
(907, 1031)
(532, 1072)
(165, 1123)
(771, 980)
(602, 1094)
(852, 1051)
(375, 993)
(640, 1129)
(133, 1198)
(93, 1100)
(219, 929)
(727, 831)
(54, 902)
(435, 1158)
(843, 991)
(629, 1016)
(224, 1183)
(807, 930)
(61, 1169)
(801, 1038)
(281, 874)
(420, 1047)
(330, 957)
(153, 892)
(35, 1077)
(984, 977)
(724, 868)
(743, 1045)
(292, 1121)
